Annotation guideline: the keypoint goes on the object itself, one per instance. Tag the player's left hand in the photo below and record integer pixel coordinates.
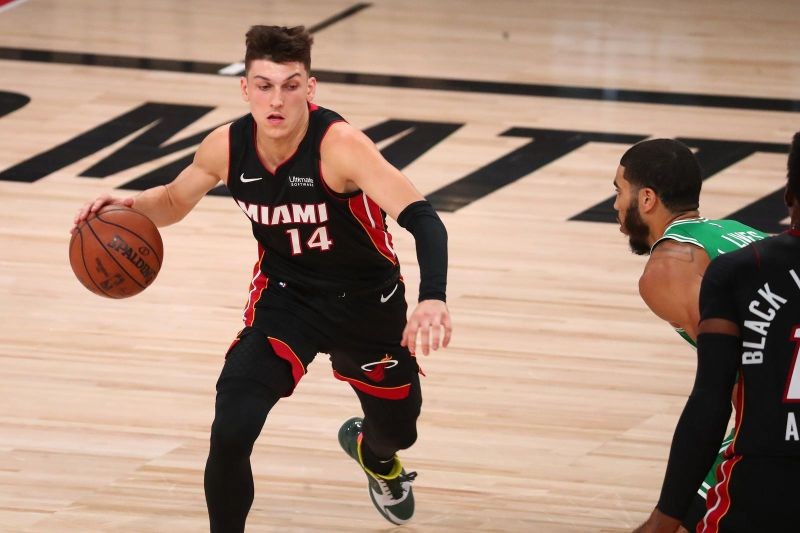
(428, 319)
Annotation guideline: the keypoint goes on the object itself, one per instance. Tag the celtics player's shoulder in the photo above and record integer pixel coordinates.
(727, 235)
(714, 236)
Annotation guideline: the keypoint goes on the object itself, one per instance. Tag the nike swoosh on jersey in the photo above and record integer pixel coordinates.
(385, 299)
(248, 180)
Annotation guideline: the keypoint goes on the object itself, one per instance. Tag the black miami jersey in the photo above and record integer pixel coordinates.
(308, 236)
(758, 288)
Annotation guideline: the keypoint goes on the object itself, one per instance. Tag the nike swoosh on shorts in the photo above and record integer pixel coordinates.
(385, 299)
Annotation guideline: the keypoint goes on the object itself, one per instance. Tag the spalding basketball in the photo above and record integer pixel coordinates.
(116, 252)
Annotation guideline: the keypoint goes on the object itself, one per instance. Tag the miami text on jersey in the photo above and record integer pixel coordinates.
(273, 215)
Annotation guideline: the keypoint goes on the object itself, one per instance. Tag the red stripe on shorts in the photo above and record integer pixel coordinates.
(284, 351)
(257, 286)
(387, 393)
(719, 497)
(8, 4)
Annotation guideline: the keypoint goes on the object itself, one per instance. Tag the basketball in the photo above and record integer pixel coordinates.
(116, 252)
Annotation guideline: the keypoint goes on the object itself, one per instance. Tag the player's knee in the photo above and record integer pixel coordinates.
(230, 439)
(237, 424)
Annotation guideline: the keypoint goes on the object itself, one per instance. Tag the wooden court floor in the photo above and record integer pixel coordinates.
(553, 409)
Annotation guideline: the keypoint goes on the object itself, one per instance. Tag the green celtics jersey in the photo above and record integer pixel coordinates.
(716, 237)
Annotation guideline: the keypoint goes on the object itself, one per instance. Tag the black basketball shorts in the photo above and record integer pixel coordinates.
(753, 493)
(360, 331)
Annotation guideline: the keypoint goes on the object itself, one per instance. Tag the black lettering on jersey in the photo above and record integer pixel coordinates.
(10, 102)
(161, 120)
(545, 147)
(714, 156)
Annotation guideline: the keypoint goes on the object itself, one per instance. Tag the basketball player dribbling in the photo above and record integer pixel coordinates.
(658, 186)
(327, 279)
(749, 335)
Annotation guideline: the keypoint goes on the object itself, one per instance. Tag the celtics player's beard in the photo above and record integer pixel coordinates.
(636, 229)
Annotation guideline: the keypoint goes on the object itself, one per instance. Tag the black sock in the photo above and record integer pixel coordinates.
(375, 463)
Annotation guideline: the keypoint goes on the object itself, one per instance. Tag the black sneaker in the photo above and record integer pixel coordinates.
(391, 494)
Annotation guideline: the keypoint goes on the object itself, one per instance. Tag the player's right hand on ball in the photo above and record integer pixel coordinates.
(95, 205)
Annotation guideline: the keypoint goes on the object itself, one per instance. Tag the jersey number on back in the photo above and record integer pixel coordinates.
(319, 239)
(792, 392)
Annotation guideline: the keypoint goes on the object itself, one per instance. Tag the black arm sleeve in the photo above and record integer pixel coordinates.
(430, 236)
(718, 290)
(703, 422)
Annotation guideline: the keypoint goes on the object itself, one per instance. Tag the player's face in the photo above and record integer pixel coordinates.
(278, 94)
(626, 204)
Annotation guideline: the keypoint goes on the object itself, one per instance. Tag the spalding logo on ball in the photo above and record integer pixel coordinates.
(117, 252)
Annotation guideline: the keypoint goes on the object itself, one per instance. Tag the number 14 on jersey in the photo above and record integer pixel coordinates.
(319, 239)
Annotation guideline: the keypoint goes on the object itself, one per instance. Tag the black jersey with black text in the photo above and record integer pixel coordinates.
(758, 288)
(308, 235)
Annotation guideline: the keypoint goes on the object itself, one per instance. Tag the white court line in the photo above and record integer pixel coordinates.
(234, 69)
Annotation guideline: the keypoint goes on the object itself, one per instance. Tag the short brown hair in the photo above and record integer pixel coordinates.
(278, 44)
